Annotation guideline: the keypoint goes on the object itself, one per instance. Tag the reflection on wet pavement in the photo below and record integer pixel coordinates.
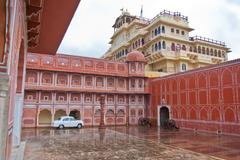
(126, 143)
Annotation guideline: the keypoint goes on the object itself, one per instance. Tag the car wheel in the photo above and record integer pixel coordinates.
(61, 126)
(79, 125)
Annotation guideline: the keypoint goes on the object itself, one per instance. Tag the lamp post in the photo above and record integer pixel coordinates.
(102, 106)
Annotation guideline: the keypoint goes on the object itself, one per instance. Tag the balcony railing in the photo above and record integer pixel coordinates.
(209, 40)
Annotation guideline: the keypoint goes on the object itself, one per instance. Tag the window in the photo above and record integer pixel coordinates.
(132, 99)
(195, 49)
(142, 41)
(98, 112)
(66, 119)
(183, 33)
(156, 47)
(156, 32)
(211, 52)
(152, 48)
(110, 82)
(164, 45)
(159, 30)
(99, 82)
(199, 49)
(45, 98)
(140, 83)
(177, 31)
(207, 51)
(75, 98)
(163, 29)
(219, 53)
(203, 50)
(173, 47)
(88, 98)
(72, 119)
(120, 99)
(184, 67)
(190, 49)
(120, 112)
(159, 45)
(121, 83)
(110, 99)
(183, 47)
(172, 30)
(110, 112)
(29, 97)
(132, 83)
(61, 98)
(215, 52)
(88, 81)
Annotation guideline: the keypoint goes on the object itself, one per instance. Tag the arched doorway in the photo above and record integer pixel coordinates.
(164, 116)
(59, 113)
(45, 117)
(76, 114)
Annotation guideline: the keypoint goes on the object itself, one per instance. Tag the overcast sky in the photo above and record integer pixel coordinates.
(91, 26)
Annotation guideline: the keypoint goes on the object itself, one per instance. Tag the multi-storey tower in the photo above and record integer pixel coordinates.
(165, 43)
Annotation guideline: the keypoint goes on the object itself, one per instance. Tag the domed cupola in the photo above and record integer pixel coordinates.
(135, 60)
(135, 56)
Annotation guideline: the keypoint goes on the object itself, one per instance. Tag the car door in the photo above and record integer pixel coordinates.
(65, 122)
(73, 122)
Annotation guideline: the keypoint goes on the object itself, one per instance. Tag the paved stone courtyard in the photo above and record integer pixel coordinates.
(127, 143)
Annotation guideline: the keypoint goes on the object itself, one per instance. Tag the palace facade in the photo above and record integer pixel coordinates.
(62, 85)
(165, 42)
(38, 86)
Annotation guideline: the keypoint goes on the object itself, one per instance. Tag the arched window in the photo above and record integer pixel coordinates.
(173, 47)
(159, 45)
(159, 30)
(156, 32)
(199, 49)
(120, 112)
(190, 49)
(183, 47)
(110, 112)
(215, 52)
(203, 50)
(207, 51)
(211, 52)
(219, 53)
(142, 41)
(184, 67)
(156, 46)
(163, 29)
(164, 45)
(195, 49)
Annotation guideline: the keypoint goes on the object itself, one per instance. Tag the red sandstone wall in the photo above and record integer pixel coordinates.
(204, 99)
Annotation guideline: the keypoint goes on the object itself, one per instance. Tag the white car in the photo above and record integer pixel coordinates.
(67, 121)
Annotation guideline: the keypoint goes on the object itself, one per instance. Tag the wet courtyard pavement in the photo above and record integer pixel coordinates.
(127, 143)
